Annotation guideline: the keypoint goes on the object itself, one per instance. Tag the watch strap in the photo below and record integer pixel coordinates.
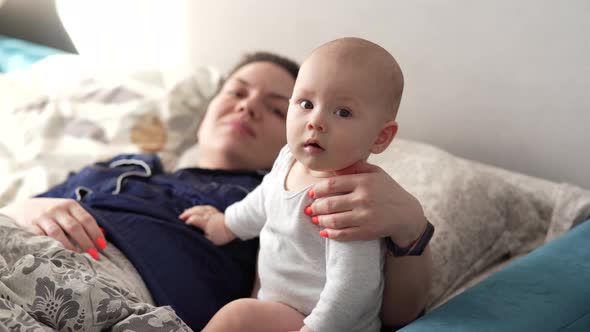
(416, 248)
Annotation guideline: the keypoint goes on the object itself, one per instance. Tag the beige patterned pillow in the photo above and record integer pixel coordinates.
(483, 215)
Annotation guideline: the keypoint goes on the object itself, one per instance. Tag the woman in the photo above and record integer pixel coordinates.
(243, 130)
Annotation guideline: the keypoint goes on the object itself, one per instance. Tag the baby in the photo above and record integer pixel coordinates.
(343, 108)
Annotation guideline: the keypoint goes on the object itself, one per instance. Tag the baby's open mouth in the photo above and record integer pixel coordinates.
(312, 144)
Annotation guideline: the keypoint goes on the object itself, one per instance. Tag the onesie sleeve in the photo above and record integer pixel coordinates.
(351, 298)
(247, 217)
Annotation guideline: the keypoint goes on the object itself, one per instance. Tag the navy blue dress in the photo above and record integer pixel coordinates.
(138, 204)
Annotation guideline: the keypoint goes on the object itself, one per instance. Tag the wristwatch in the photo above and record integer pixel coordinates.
(415, 248)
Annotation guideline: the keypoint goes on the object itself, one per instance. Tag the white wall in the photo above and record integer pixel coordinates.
(128, 34)
(504, 82)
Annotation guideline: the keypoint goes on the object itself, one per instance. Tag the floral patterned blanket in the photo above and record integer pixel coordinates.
(44, 287)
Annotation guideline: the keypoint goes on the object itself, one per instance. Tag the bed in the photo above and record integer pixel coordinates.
(62, 113)
(484, 216)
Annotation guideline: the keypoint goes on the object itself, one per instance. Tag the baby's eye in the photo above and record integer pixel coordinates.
(344, 113)
(306, 104)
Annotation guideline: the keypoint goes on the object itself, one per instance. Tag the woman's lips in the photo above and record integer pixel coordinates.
(242, 127)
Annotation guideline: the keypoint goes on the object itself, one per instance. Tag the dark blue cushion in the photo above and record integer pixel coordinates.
(547, 290)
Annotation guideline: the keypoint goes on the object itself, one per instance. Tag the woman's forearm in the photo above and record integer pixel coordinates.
(24, 211)
(407, 285)
(15, 210)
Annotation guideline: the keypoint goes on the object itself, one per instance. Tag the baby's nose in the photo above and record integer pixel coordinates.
(316, 122)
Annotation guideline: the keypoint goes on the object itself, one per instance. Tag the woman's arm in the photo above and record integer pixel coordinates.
(365, 203)
(60, 218)
(407, 285)
(24, 212)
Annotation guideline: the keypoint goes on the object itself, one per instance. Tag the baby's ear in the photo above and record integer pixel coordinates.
(385, 137)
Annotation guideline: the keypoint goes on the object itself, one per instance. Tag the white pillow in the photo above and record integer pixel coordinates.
(46, 134)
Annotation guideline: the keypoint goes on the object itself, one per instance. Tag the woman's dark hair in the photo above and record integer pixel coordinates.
(289, 65)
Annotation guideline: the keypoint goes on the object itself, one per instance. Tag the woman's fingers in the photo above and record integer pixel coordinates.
(345, 226)
(333, 204)
(53, 230)
(338, 220)
(346, 234)
(35, 229)
(335, 185)
(89, 226)
(346, 180)
(74, 229)
(70, 224)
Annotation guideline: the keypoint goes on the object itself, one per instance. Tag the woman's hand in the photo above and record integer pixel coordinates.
(59, 218)
(364, 203)
(210, 221)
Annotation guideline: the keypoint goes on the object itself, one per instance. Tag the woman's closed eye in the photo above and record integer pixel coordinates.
(236, 93)
(279, 112)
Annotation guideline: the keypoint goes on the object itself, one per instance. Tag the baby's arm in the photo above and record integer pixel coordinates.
(351, 298)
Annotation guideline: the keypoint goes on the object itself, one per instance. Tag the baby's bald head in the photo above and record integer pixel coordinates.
(372, 58)
(346, 97)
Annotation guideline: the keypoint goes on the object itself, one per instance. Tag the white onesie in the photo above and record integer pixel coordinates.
(337, 285)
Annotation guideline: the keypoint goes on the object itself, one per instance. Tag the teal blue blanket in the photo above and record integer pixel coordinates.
(17, 54)
(547, 290)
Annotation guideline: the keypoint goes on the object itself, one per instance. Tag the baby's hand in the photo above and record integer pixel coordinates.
(211, 221)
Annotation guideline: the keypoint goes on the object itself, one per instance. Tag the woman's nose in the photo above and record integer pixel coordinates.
(247, 106)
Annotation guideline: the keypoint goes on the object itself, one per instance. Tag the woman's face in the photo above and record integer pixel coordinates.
(244, 127)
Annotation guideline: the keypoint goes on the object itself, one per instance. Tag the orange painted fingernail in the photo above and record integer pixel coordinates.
(308, 210)
(92, 252)
(311, 193)
(315, 220)
(101, 243)
(324, 233)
